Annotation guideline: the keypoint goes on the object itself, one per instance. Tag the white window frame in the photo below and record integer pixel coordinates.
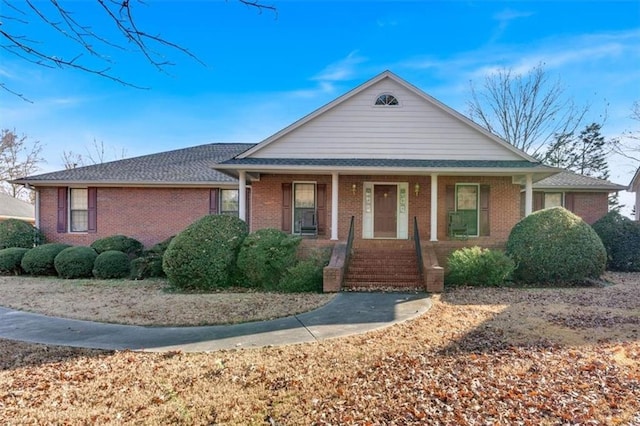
(398, 105)
(70, 226)
(544, 198)
(220, 202)
(293, 204)
(455, 204)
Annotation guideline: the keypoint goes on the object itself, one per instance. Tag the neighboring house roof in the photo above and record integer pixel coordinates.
(187, 166)
(12, 208)
(572, 181)
(634, 185)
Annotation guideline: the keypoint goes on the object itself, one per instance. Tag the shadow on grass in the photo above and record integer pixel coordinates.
(538, 317)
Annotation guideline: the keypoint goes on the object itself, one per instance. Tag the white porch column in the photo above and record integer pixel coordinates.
(334, 206)
(434, 207)
(242, 195)
(528, 196)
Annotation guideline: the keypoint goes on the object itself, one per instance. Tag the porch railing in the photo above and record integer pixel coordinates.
(416, 240)
(347, 256)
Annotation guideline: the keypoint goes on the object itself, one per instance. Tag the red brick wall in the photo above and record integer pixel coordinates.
(504, 203)
(149, 215)
(590, 206)
(153, 214)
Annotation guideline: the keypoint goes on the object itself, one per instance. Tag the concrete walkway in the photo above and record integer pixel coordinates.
(346, 314)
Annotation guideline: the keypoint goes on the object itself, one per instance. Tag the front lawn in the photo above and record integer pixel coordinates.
(479, 356)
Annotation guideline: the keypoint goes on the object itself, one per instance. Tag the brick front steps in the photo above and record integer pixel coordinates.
(375, 265)
(383, 265)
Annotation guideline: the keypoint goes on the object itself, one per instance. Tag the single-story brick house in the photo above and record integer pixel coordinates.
(400, 163)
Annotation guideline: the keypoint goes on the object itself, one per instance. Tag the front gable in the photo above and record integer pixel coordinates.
(418, 128)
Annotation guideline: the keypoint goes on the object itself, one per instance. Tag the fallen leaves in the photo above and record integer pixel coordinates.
(478, 357)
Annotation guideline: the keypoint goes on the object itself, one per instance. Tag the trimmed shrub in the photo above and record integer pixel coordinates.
(148, 266)
(621, 238)
(555, 246)
(111, 264)
(130, 246)
(203, 256)
(265, 256)
(75, 262)
(479, 266)
(40, 260)
(10, 259)
(306, 275)
(150, 263)
(18, 233)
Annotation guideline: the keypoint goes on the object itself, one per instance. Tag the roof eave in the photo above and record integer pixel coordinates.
(95, 183)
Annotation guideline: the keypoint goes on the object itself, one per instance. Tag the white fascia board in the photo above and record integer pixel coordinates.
(275, 168)
(116, 184)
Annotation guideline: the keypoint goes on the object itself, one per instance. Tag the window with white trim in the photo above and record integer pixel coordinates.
(78, 210)
(386, 99)
(304, 208)
(229, 203)
(552, 199)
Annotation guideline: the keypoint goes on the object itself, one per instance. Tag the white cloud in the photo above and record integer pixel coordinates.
(344, 69)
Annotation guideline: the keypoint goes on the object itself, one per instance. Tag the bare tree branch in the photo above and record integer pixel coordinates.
(120, 13)
(525, 110)
(17, 159)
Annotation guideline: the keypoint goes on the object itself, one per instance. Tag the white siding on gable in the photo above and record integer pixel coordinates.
(416, 129)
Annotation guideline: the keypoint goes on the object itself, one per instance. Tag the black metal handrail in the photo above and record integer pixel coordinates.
(347, 256)
(416, 240)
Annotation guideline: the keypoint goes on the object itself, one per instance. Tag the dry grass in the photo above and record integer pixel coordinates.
(147, 302)
(479, 356)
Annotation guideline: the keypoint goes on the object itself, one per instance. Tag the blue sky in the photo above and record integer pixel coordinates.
(263, 72)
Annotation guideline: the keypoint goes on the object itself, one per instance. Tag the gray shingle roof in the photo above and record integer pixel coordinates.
(188, 165)
(13, 208)
(570, 180)
(380, 162)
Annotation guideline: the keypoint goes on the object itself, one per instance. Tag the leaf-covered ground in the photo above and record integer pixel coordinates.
(148, 302)
(479, 356)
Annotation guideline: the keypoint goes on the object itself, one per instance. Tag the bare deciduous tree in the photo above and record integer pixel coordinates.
(18, 158)
(18, 17)
(525, 110)
(97, 153)
(629, 144)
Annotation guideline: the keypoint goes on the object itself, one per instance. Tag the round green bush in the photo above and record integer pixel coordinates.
(306, 275)
(10, 259)
(554, 246)
(18, 233)
(265, 256)
(621, 238)
(75, 262)
(147, 266)
(478, 266)
(203, 256)
(111, 264)
(40, 260)
(130, 246)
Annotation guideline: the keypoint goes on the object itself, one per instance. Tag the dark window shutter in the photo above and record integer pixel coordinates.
(213, 201)
(484, 211)
(286, 207)
(92, 209)
(450, 197)
(569, 199)
(248, 208)
(62, 210)
(538, 201)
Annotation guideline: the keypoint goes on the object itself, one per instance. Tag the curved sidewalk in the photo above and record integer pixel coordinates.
(346, 314)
